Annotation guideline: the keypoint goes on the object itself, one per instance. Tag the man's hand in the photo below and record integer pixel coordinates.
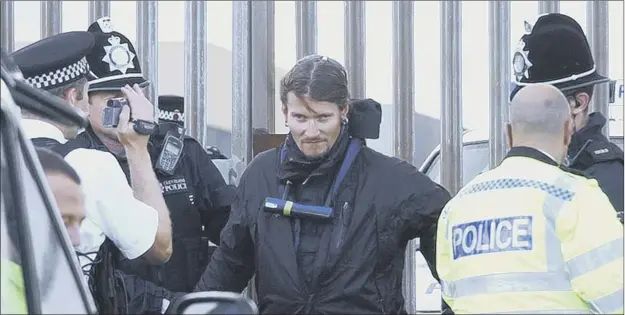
(141, 109)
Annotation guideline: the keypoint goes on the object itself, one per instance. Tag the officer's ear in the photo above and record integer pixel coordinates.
(581, 101)
(72, 95)
(508, 133)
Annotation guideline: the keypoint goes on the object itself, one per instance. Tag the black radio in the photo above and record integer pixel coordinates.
(170, 153)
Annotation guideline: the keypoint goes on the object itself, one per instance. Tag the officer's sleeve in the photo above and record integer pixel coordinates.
(610, 177)
(110, 202)
(232, 264)
(592, 247)
(217, 197)
(421, 212)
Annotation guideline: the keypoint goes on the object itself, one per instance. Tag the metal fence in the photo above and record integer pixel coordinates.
(253, 71)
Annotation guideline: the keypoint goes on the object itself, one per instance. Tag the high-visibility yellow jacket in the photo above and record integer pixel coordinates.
(13, 296)
(528, 237)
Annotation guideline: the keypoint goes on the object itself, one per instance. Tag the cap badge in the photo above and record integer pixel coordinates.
(118, 56)
(176, 115)
(105, 24)
(527, 27)
(521, 62)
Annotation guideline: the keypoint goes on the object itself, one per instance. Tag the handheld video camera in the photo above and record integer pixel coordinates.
(110, 114)
(296, 210)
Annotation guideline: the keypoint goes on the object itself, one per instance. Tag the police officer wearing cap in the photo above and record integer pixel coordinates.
(555, 51)
(171, 109)
(203, 180)
(112, 209)
(198, 199)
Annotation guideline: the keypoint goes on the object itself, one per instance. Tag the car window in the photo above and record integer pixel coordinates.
(13, 297)
(474, 161)
(60, 286)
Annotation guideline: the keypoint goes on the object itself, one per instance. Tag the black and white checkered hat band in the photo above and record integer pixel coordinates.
(167, 115)
(61, 76)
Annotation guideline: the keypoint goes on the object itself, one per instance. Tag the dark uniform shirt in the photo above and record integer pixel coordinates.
(199, 203)
(591, 152)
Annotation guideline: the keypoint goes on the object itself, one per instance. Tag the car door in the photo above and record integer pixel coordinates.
(34, 240)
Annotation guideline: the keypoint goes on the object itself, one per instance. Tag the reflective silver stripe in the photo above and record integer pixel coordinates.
(545, 312)
(609, 303)
(555, 279)
(507, 282)
(595, 258)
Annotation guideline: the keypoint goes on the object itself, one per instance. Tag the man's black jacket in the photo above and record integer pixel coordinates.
(351, 264)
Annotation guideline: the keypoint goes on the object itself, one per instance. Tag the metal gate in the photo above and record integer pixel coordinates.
(253, 56)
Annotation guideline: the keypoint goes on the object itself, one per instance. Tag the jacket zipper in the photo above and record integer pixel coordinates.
(343, 224)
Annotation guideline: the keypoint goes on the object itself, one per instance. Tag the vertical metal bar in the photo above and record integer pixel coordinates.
(598, 28)
(241, 82)
(306, 27)
(548, 6)
(8, 25)
(499, 69)
(98, 9)
(451, 95)
(195, 48)
(403, 100)
(241, 146)
(147, 47)
(51, 18)
(355, 47)
(263, 65)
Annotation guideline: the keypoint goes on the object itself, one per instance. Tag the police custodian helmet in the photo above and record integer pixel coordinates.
(554, 51)
(113, 59)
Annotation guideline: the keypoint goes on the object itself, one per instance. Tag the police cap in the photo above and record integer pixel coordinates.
(171, 109)
(55, 61)
(113, 59)
(554, 51)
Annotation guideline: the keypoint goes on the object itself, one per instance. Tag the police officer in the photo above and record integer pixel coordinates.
(171, 109)
(555, 51)
(58, 65)
(198, 199)
(195, 165)
(530, 237)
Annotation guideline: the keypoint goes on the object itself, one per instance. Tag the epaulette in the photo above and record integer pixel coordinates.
(603, 151)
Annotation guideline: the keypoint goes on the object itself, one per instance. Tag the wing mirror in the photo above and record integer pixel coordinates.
(213, 302)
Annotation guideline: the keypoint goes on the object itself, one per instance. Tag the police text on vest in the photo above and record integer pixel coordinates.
(492, 236)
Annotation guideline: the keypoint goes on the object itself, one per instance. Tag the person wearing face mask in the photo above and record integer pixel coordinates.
(531, 236)
(555, 51)
(323, 221)
(58, 64)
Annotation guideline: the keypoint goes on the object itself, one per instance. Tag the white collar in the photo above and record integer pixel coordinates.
(34, 128)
